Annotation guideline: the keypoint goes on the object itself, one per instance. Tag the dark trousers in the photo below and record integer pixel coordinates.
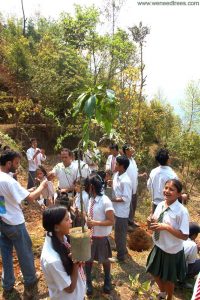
(133, 206)
(193, 269)
(121, 226)
(31, 179)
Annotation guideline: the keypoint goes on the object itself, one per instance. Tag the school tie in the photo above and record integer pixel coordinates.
(113, 162)
(197, 295)
(91, 214)
(160, 219)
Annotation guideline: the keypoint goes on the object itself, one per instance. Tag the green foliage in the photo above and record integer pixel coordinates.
(143, 290)
(97, 104)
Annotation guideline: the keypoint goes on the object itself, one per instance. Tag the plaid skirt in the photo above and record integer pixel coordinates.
(100, 249)
(168, 267)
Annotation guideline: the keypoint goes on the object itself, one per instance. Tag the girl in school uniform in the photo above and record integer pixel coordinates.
(100, 220)
(65, 278)
(77, 203)
(170, 223)
(47, 195)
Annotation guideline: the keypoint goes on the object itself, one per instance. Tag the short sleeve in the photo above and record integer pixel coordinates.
(192, 254)
(29, 155)
(126, 191)
(60, 277)
(17, 191)
(184, 224)
(107, 204)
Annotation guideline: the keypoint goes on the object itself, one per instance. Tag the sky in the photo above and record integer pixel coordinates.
(172, 49)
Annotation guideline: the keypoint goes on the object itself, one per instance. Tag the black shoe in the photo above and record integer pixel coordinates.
(107, 288)
(89, 291)
(107, 283)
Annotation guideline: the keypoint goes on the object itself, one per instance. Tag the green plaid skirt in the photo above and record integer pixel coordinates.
(169, 267)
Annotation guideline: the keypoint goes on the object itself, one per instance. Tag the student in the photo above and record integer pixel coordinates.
(170, 223)
(111, 160)
(122, 189)
(132, 173)
(47, 194)
(100, 221)
(35, 158)
(191, 250)
(159, 176)
(77, 203)
(65, 278)
(13, 231)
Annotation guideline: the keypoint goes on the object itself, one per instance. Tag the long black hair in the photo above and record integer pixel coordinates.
(53, 216)
(97, 182)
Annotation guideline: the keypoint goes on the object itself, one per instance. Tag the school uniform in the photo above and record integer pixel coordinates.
(33, 164)
(156, 182)
(122, 188)
(191, 254)
(111, 163)
(101, 249)
(57, 278)
(85, 197)
(132, 172)
(167, 259)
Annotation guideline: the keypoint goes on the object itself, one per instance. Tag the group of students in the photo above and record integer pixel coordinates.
(65, 278)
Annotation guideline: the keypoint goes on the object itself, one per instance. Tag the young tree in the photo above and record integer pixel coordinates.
(191, 106)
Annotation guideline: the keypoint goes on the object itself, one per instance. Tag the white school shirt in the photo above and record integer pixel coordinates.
(177, 216)
(85, 170)
(11, 196)
(66, 175)
(157, 180)
(85, 201)
(132, 173)
(57, 278)
(122, 187)
(48, 192)
(34, 163)
(109, 162)
(191, 251)
(101, 206)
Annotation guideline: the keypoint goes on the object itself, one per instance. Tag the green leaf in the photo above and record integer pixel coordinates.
(90, 105)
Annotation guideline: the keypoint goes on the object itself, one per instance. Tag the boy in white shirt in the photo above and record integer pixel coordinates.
(132, 172)
(122, 189)
(191, 250)
(35, 157)
(111, 160)
(159, 176)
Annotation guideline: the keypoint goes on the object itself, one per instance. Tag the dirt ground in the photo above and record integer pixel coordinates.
(135, 264)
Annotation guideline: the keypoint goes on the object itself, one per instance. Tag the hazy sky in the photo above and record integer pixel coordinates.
(173, 46)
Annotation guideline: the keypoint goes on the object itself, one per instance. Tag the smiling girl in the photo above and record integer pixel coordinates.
(65, 278)
(170, 223)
